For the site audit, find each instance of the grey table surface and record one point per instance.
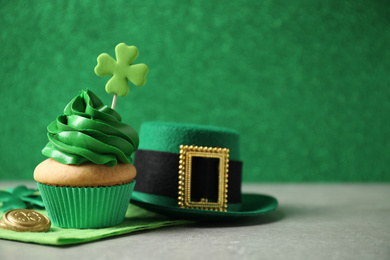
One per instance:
(313, 221)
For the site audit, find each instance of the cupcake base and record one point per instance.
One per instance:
(86, 207)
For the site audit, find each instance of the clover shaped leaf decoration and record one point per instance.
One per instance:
(121, 70)
(20, 197)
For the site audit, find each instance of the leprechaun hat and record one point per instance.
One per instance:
(193, 172)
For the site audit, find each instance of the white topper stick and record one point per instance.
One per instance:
(114, 101)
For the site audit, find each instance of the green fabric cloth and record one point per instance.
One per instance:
(136, 219)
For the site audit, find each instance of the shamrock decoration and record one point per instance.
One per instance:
(19, 198)
(121, 70)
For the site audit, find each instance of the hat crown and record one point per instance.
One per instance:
(167, 137)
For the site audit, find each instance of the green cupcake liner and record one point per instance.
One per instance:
(86, 207)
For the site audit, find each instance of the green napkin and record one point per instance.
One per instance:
(136, 219)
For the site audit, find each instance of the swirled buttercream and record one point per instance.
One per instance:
(90, 131)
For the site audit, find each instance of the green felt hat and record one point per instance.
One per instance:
(193, 172)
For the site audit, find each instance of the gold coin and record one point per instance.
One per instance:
(25, 220)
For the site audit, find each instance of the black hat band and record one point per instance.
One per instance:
(158, 173)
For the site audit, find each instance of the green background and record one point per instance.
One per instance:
(306, 83)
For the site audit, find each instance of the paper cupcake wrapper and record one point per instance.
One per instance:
(86, 207)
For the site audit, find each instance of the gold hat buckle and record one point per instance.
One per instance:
(185, 173)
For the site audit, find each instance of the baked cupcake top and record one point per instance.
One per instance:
(85, 175)
(90, 131)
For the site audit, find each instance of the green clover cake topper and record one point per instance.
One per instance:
(121, 70)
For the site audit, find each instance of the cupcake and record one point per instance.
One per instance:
(88, 179)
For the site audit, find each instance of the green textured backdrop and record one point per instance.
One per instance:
(306, 83)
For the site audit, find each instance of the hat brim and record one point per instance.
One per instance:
(252, 206)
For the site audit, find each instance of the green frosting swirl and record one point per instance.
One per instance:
(90, 131)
